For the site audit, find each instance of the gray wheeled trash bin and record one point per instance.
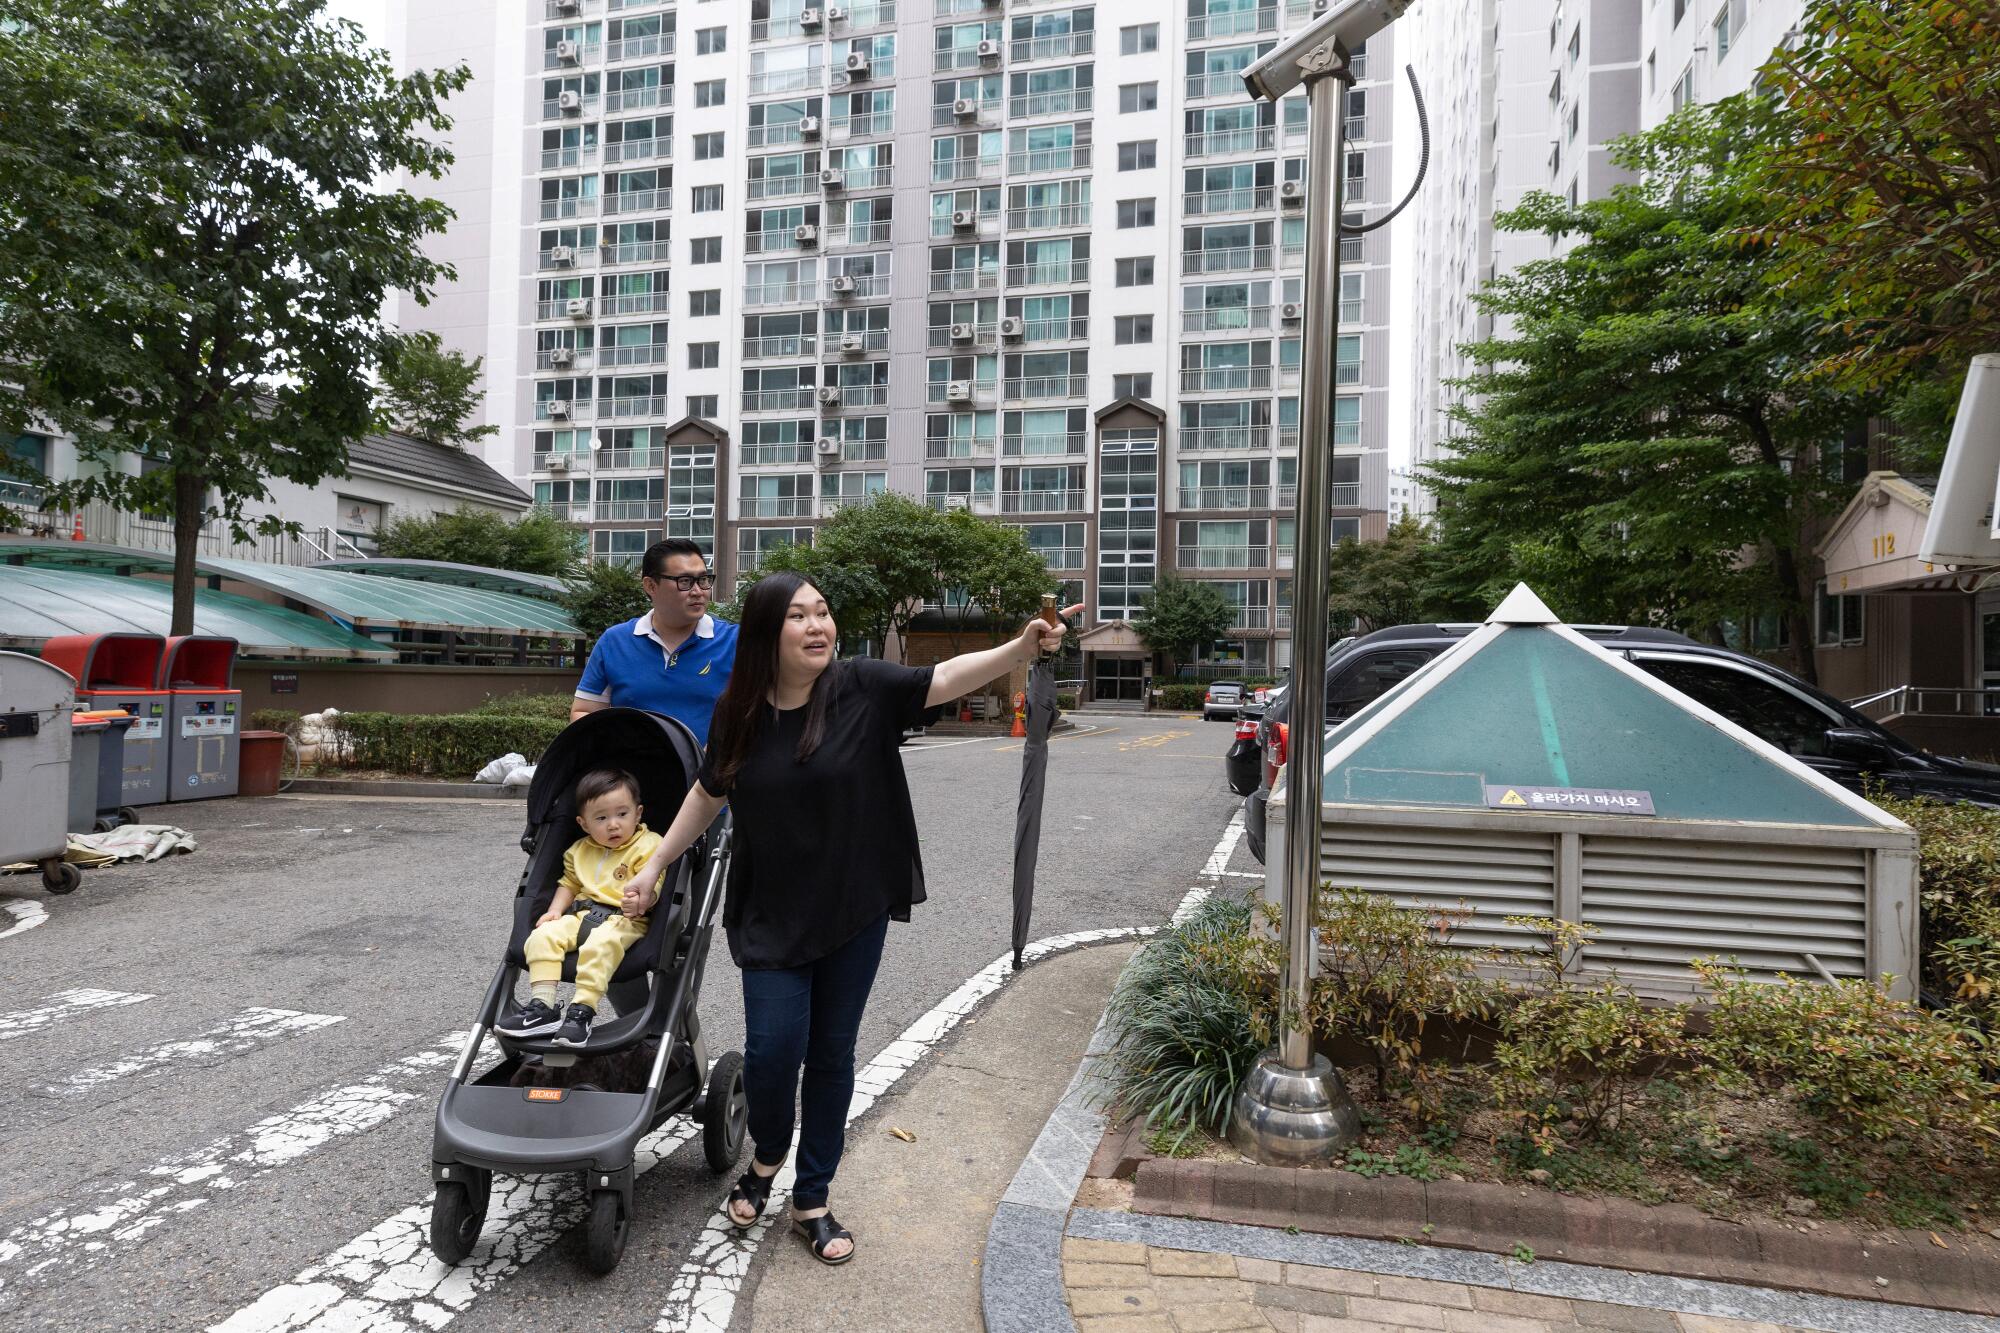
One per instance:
(35, 741)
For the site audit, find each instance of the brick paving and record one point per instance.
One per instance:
(1123, 1287)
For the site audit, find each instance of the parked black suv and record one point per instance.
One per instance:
(1812, 727)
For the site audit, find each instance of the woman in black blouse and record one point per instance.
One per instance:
(804, 748)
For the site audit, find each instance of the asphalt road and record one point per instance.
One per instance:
(218, 1074)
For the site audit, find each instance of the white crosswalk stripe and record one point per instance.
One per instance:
(27, 915)
(64, 1004)
(108, 1216)
(247, 1031)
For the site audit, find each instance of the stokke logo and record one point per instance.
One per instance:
(545, 1094)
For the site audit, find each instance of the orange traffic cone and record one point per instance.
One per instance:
(1020, 715)
(76, 529)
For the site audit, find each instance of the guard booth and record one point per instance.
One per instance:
(122, 671)
(1528, 772)
(203, 733)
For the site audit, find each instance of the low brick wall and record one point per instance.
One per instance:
(360, 687)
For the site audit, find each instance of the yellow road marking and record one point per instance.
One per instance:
(1152, 742)
(1064, 736)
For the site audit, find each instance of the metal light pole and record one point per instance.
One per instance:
(1293, 1107)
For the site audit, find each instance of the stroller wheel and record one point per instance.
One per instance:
(724, 1114)
(457, 1214)
(604, 1241)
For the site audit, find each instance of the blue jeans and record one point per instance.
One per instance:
(807, 1016)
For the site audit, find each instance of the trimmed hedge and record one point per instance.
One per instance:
(527, 705)
(457, 744)
(273, 719)
(1183, 698)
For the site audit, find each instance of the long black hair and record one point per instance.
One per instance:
(745, 706)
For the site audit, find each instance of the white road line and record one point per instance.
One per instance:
(27, 915)
(63, 1004)
(1232, 833)
(111, 1215)
(247, 1031)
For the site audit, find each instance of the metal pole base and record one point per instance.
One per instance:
(1292, 1117)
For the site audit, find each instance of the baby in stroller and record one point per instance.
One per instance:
(609, 883)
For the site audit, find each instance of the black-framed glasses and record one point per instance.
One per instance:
(686, 582)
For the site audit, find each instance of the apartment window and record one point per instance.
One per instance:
(1575, 120)
(705, 302)
(1135, 272)
(705, 406)
(709, 41)
(1722, 33)
(1652, 72)
(1130, 329)
(1138, 97)
(710, 92)
(706, 199)
(1134, 213)
(1839, 618)
(704, 356)
(1684, 88)
(1680, 11)
(1140, 38)
(1575, 43)
(1139, 155)
(1132, 386)
(708, 147)
(705, 250)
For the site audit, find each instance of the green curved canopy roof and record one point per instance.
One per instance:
(40, 603)
(445, 571)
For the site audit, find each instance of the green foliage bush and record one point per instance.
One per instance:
(1182, 698)
(1065, 702)
(555, 706)
(273, 719)
(1958, 848)
(1184, 1032)
(457, 744)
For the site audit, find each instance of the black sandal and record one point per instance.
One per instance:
(752, 1189)
(820, 1232)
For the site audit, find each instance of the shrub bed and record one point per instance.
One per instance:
(273, 719)
(1182, 698)
(454, 744)
(1958, 849)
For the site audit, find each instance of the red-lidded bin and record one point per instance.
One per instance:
(121, 671)
(99, 807)
(197, 671)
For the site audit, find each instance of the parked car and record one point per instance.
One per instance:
(1243, 765)
(1812, 727)
(1223, 699)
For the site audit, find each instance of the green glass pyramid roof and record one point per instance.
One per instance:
(1535, 705)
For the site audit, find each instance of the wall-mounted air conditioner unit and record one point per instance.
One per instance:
(569, 52)
(965, 108)
(578, 307)
(853, 343)
(857, 65)
(1289, 312)
(989, 49)
(558, 462)
(831, 179)
(829, 396)
(1292, 192)
(558, 408)
(958, 391)
(828, 448)
(569, 103)
(963, 219)
(961, 333)
(1011, 327)
(806, 234)
(561, 356)
(842, 285)
(562, 254)
(809, 19)
(809, 127)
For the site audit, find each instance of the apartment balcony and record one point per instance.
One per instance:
(562, 460)
(860, 395)
(1061, 558)
(1225, 379)
(573, 359)
(874, 125)
(639, 99)
(780, 293)
(1226, 319)
(782, 187)
(1222, 439)
(773, 29)
(940, 338)
(853, 342)
(622, 408)
(555, 159)
(965, 279)
(853, 235)
(1063, 102)
(615, 254)
(1288, 437)
(981, 503)
(985, 113)
(1226, 143)
(856, 179)
(869, 14)
(639, 303)
(1250, 617)
(1346, 495)
(1222, 557)
(1047, 386)
(1048, 217)
(983, 224)
(1057, 273)
(979, 393)
(1233, 259)
(636, 6)
(566, 256)
(572, 511)
(562, 409)
(810, 79)
(555, 209)
(791, 345)
(1285, 497)
(1045, 445)
(798, 399)
(779, 240)
(1061, 46)
(630, 511)
(777, 455)
(1074, 329)
(570, 9)
(1240, 23)
(958, 449)
(1044, 502)
(946, 171)
(560, 308)
(639, 201)
(863, 286)
(639, 48)
(1216, 83)
(1281, 618)
(881, 73)
(1216, 203)
(1225, 497)
(1035, 161)
(584, 55)
(964, 58)
(627, 460)
(555, 108)
(656, 149)
(638, 354)
(775, 506)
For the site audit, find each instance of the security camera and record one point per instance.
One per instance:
(1311, 50)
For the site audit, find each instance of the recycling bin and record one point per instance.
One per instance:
(85, 754)
(35, 744)
(108, 806)
(121, 671)
(196, 671)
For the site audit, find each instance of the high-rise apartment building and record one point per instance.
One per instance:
(1528, 95)
(1043, 261)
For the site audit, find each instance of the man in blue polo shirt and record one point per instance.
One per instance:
(673, 660)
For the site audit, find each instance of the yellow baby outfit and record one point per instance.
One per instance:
(595, 874)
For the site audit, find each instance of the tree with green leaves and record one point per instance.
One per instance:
(535, 543)
(1390, 582)
(430, 391)
(1005, 578)
(195, 245)
(890, 536)
(854, 594)
(601, 594)
(1883, 189)
(1180, 615)
(1643, 445)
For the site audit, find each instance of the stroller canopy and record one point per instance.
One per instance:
(660, 752)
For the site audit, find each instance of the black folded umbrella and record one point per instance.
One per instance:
(1028, 820)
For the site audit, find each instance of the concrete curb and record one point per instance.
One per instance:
(401, 787)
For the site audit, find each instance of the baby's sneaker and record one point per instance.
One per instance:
(536, 1018)
(575, 1026)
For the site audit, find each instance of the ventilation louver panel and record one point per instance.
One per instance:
(1496, 873)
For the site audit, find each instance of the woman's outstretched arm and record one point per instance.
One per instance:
(968, 671)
